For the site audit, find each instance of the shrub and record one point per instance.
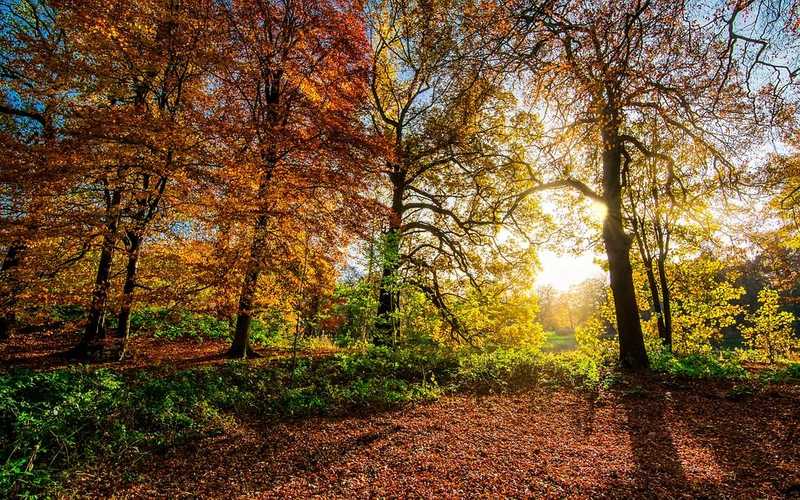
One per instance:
(504, 370)
(771, 331)
(724, 365)
(788, 373)
(168, 324)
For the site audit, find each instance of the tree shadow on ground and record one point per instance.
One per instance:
(647, 438)
(698, 441)
(264, 458)
(751, 434)
(657, 463)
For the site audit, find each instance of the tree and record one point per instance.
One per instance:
(438, 100)
(705, 298)
(565, 311)
(291, 84)
(130, 115)
(32, 113)
(170, 102)
(603, 68)
(663, 215)
(770, 331)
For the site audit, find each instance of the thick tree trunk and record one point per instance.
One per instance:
(124, 316)
(632, 354)
(388, 296)
(666, 303)
(8, 317)
(240, 347)
(95, 326)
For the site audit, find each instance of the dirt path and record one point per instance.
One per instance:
(646, 441)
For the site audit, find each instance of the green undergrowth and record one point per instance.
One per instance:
(723, 365)
(54, 421)
(696, 366)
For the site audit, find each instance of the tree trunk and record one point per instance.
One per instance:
(95, 326)
(388, 296)
(666, 303)
(8, 317)
(124, 316)
(240, 347)
(632, 354)
(7, 321)
(655, 298)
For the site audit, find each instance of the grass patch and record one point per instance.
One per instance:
(724, 365)
(559, 342)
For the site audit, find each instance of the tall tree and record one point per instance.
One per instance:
(438, 97)
(293, 84)
(32, 103)
(132, 66)
(662, 214)
(606, 66)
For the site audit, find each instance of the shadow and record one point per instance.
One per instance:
(753, 435)
(659, 471)
(207, 359)
(732, 445)
(312, 459)
(36, 351)
(53, 350)
(265, 456)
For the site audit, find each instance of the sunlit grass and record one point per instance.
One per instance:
(559, 342)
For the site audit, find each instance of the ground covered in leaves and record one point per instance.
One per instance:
(653, 436)
(642, 438)
(47, 350)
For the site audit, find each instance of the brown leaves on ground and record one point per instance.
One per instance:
(646, 438)
(46, 350)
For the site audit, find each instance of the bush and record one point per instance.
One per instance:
(785, 374)
(168, 324)
(499, 370)
(515, 369)
(770, 333)
(725, 365)
(416, 365)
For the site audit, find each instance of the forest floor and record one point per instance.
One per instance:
(46, 350)
(645, 437)
(646, 440)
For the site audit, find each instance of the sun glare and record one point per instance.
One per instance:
(598, 211)
(564, 271)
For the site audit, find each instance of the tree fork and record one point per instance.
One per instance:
(388, 297)
(655, 297)
(134, 241)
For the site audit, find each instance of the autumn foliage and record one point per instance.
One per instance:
(587, 211)
(377, 166)
(218, 139)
